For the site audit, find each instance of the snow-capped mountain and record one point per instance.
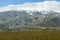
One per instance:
(16, 19)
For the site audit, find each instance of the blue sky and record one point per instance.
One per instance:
(7, 2)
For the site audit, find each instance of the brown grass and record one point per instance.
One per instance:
(31, 35)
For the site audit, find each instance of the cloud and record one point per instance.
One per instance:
(39, 6)
(52, 6)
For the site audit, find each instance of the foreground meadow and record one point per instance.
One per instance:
(31, 35)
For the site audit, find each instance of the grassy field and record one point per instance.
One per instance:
(31, 35)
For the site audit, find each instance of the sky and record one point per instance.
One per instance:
(7, 2)
(15, 2)
(39, 5)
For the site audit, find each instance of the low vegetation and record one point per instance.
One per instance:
(31, 35)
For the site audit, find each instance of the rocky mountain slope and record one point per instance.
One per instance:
(16, 19)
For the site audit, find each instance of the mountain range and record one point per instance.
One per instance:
(17, 19)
